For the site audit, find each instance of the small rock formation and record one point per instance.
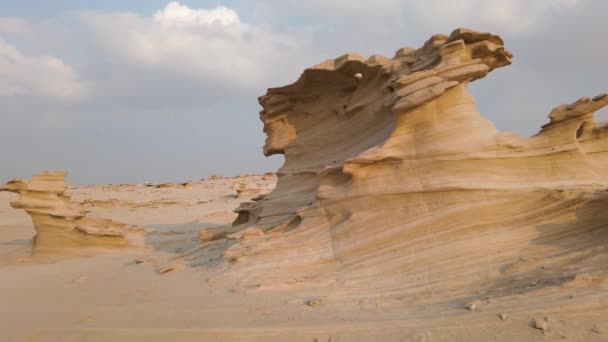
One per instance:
(62, 225)
(390, 169)
(473, 306)
(541, 324)
(316, 303)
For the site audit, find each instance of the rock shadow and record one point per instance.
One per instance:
(183, 241)
(574, 244)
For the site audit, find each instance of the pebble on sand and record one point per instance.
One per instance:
(315, 303)
(171, 268)
(473, 306)
(541, 324)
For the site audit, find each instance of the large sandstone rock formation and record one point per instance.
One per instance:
(61, 225)
(394, 182)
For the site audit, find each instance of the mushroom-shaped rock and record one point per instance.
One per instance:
(62, 225)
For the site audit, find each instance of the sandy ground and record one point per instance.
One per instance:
(123, 296)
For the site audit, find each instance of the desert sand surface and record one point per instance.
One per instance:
(400, 214)
(122, 296)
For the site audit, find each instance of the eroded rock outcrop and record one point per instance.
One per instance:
(61, 225)
(392, 176)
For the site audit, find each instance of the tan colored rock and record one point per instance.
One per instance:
(541, 324)
(316, 303)
(473, 306)
(397, 173)
(217, 233)
(247, 234)
(208, 235)
(61, 225)
(177, 267)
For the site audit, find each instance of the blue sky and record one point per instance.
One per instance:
(150, 90)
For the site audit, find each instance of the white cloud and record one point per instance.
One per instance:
(191, 55)
(204, 45)
(44, 76)
(180, 15)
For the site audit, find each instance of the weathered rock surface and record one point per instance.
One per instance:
(62, 225)
(398, 207)
(393, 181)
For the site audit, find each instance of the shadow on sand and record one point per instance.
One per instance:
(183, 241)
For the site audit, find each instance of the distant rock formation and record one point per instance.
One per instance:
(391, 170)
(62, 225)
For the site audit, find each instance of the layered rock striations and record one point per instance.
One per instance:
(61, 225)
(393, 180)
